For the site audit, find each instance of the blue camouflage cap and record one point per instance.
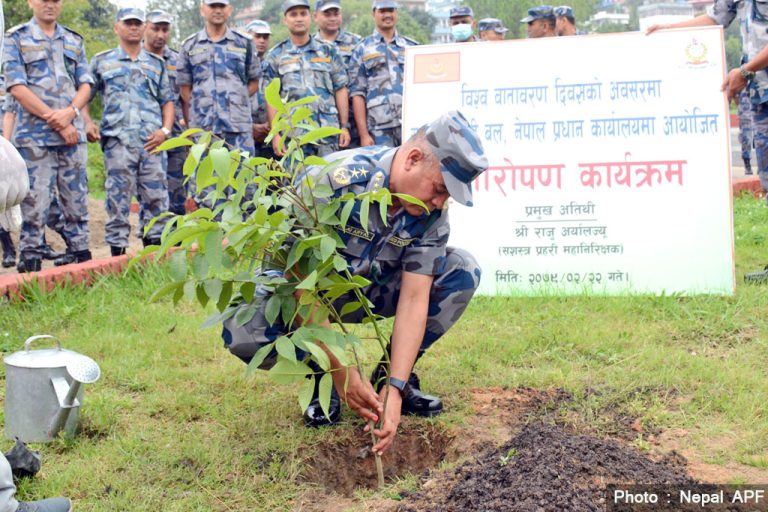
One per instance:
(158, 16)
(258, 27)
(384, 4)
(214, 2)
(324, 5)
(461, 10)
(538, 13)
(290, 4)
(491, 24)
(459, 151)
(564, 10)
(130, 13)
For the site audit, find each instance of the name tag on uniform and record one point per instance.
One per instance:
(358, 232)
(149, 67)
(289, 61)
(72, 48)
(346, 48)
(236, 49)
(171, 67)
(400, 242)
(320, 59)
(197, 50)
(32, 48)
(372, 56)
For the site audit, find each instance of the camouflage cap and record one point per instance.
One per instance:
(538, 13)
(290, 4)
(491, 24)
(158, 16)
(214, 2)
(258, 27)
(460, 152)
(384, 4)
(130, 13)
(461, 10)
(324, 5)
(564, 10)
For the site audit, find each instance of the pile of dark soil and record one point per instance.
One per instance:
(544, 468)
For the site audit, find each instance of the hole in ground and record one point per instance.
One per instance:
(346, 462)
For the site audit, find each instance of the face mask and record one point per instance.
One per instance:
(461, 32)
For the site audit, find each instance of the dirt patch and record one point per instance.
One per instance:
(97, 218)
(545, 467)
(347, 463)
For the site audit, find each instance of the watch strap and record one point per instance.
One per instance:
(397, 383)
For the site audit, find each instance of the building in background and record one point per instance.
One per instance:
(440, 9)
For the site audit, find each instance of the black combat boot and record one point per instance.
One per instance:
(30, 265)
(65, 259)
(82, 256)
(415, 402)
(314, 415)
(747, 166)
(9, 251)
(150, 241)
(49, 254)
(117, 251)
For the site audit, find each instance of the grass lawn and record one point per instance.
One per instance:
(175, 425)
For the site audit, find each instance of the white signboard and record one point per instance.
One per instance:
(609, 156)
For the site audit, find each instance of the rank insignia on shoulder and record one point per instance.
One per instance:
(343, 176)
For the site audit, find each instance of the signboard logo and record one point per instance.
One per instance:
(696, 53)
(437, 68)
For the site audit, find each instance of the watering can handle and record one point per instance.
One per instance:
(38, 337)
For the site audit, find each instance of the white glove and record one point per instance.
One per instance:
(14, 180)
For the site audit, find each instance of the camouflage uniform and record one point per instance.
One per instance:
(133, 93)
(753, 18)
(745, 130)
(376, 73)
(218, 73)
(407, 243)
(53, 69)
(177, 189)
(315, 69)
(345, 43)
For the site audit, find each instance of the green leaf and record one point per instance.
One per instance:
(165, 290)
(245, 314)
(226, 295)
(288, 309)
(247, 290)
(285, 348)
(346, 211)
(319, 354)
(202, 296)
(213, 249)
(190, 291)
(178, 265)
(213, 288)
(190, 131)
(288, 372)
(324, 392)
(303, 101)
(383, 211)
(199, 266)
(295, 254)
(364, 206)
(411, 199)
(305, 393)
(314, 160)
(220, 159)
(259, 357)
(173, 143)
(318, 133)
(349, 307)
(339, 263)
(205, 174)
(179, 293)
(327, 247)
(273, 308)
(309, 282)
(272, 95)
(322, 191)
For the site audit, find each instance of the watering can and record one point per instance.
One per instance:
(44, 392)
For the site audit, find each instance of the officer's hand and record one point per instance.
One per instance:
(359, 394)
(154, 140)
(260, 131)
(70, 135)
(653, 28)
(277, 146)
(61, 118)
(734, 84)
(92, 132)
(388, 430)
(366, 140)
(344, 138)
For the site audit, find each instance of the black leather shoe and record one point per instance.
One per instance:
(30, 265)
(81, 256)
(415, 402)
(9, 259)
(65, 259)
(116, 251)
(150, 241)
(50, 254)
(314, 416)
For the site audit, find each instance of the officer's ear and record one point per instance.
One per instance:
(413, 157)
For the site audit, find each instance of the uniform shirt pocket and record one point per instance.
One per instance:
(201, 68)
(321, 75)
(35, 61)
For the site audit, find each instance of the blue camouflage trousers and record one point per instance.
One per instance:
(131, 171)
(52, 169)
(449, 296)
(745, 125)
(760, 133)
(239, 140)
(177, 189)
(391, 137)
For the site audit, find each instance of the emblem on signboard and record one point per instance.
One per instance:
(696, 53)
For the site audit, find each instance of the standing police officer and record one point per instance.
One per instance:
(47, 73)
(156, 35)
(137, 118)
(260, 31)
(218, 73)
(376, 79)
(307, 66)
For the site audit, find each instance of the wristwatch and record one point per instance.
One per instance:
(166, 131)
(747, 74)
(397, 384)
(77, 110)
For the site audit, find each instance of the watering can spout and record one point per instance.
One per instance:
(83, 370)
